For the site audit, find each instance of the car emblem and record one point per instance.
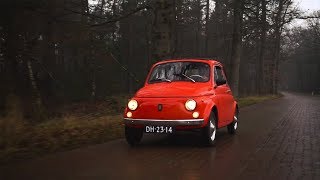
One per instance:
(159, 107)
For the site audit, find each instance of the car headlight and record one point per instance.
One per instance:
(132, 104)
(191, 105)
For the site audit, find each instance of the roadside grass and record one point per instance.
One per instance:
(21, 140)
(250, 100)
(57, 135)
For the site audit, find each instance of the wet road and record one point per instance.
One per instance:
(277, 139)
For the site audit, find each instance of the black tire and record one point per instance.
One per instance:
(133, 135)
(232, 127)
(209, 132)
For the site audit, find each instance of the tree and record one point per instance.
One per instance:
(207, 27)
(284, 14)
(301, 50)
(263, 33)
(163, 29)
(236, 46)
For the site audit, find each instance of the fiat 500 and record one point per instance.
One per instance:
(180, 95)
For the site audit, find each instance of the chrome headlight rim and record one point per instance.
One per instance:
(190, 105)
(133, 104)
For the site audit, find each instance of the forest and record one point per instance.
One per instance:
(55, 52)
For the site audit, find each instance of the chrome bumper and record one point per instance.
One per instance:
(177, 122)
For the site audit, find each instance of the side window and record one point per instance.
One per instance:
(218, 76)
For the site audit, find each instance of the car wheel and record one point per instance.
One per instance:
(232, 127)
(133, 135)
(209, 132)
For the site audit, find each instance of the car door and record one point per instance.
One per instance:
(223, 95)
(229, 100)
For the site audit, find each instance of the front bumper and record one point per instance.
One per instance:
(159, 122)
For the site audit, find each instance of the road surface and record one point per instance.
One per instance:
(276, 139)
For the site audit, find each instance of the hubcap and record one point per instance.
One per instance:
(235, 123)
(213, 129)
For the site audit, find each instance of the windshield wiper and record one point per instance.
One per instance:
(161, 79)
(188, 77)
(164, 79)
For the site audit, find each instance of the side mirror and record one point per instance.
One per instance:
(220, 82)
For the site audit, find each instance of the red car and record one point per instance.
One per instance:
(184, 94)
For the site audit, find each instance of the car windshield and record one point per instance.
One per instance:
(180, 71)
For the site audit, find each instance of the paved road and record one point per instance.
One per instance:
(277, 139)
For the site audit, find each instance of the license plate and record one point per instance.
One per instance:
(159, 129)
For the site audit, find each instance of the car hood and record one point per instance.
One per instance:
(175, 89)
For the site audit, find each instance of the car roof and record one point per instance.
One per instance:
(204, 60)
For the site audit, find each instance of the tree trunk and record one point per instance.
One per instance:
(276, 63)
(38, 109)
(207, 27)
(260, 71)
(236, 47)
(92, 56)
(198, 29)
(93, 70)
(277, 47)
(174, 29)
(220, 36)
(35, 91)
(103, 2)
(11, 62)
(162, 29)
(178, 16)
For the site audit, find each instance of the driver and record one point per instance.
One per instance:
(198, 73)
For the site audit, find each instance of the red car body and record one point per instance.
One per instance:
(164, 103)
